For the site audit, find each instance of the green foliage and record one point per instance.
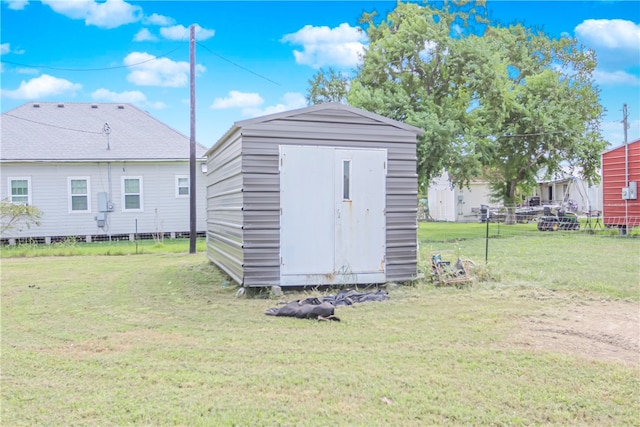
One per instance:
(327, 86)
(17, 216)
(498, 103)
(535, 106)
(407, 75)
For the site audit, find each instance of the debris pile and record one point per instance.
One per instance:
(324, 308)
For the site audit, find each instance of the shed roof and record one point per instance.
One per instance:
(621, 147)
(336, 106)
(56, 131)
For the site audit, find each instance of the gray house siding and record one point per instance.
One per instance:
(162, 210)
(247, 244)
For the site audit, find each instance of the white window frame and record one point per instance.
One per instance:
(71, 195)
(19, 178)
(347, 164)
(124, 194)
(178, 178)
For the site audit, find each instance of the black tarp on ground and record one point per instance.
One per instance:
(324, 308)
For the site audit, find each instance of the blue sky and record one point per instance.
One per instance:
(255, 58)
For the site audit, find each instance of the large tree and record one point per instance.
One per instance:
(535, 106)
(406, 75)
(503, 103)
(328, 86)
(18, 216)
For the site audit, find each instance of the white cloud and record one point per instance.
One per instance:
(237, 99)
(17, 4)
(180, 32)
(292, 101)
(616, 78)
(610, 33)
(161, 20)
(107, 14)
(149, 70)
(127, 96)
(6, 48)
(615, 41)
(144, 35)
(613, 132)
(132, 97)
(32, 71)
(42, 87)
(158, 105)
(323, 46)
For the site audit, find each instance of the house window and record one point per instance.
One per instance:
(182, 186)
(346, 178)
(20, 190)
(132, 193)
(79, 194)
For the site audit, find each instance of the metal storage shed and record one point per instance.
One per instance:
(620, 177)
(323, 195)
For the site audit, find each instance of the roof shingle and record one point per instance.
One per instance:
(52, 131)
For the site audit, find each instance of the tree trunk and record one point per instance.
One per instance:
(510, 217)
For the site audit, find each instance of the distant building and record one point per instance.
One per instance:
(453, 204)
(98, 171)
(620, 181)
(571, 192)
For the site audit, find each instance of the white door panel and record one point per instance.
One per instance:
(332, 224)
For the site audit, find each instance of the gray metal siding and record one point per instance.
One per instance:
(261, 211)
(224, 207)
(260, 143)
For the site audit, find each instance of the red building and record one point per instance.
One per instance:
(620, 178)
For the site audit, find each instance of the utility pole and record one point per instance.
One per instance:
(625, 116)
(192, 145)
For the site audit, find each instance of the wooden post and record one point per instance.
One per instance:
(192, 157)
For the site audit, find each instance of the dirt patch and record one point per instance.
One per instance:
(608, 331)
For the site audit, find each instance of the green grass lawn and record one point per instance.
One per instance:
(71, 247)
(162, 339)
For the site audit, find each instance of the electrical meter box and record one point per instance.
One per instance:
(630, 192)
(101, 219)
(104, 205)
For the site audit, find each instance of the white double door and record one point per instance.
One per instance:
(332, 220)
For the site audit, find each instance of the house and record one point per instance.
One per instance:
(323, 195)
(566, 189)
(98, 171)
(620, 177)
(453, 204)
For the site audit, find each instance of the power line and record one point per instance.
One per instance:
(237, 65)
(115, 67)
(156, 58)
(53, 126)
(515, 135)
